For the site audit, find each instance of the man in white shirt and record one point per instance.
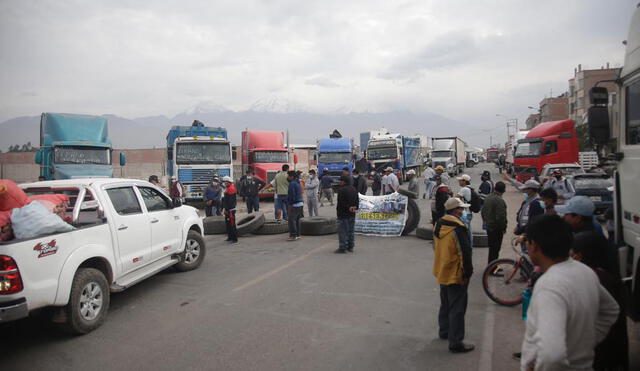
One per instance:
(464, 194)
(561, 185)
(570, 312)
(390, 182)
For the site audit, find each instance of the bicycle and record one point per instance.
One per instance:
(504, 279)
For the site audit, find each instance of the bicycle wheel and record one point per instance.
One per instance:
(505, 288)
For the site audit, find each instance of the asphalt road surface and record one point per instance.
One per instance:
(267, 304)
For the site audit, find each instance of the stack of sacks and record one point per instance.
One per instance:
(55, 203)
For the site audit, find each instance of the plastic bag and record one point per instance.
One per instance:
(55, 203)
(11, 196)
(6, 233)
(35, 220)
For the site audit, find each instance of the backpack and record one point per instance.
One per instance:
(476, 201)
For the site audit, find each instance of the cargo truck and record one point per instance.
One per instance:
(74, 146)
(449, 153)
(197, 153)
(334, 154)
(625, 155)
(264, 152)
(396, 151)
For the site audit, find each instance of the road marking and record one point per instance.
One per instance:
(280, 268)
(486, 355)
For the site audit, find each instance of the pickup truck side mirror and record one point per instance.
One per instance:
(598, 115)
(123, 159)
(176, 202)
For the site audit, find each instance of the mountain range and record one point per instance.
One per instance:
(304, 127)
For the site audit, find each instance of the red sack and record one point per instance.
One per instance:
(6, 233)
(11, 196)
(56, 203)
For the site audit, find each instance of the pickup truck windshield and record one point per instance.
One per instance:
(266, 157)
(382, 153)
(202, 153)
(82, 155)
(334, 157)
(441, 154)
(528, 149)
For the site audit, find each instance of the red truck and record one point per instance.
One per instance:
(264, 152)
(553, 142)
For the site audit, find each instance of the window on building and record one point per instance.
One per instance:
(572, 107)
(550, 147)
(632, 113)
(613, 98)
(234, 155)
(580, 84)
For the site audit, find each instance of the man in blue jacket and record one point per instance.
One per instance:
(295, 202)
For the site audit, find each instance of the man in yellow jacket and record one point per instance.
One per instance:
(452, 267)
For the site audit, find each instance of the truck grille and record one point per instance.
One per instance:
(200, 175)
(271, 175)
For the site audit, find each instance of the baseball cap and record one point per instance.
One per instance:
(581, 205)
(454, 203)
(530, 184)
(227, 179)
(389, 168)
(173, 177)
(439, 167)
(413, 172)
(464, 177)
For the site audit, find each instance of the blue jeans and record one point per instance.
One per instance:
(430, 186)
(253, 204)
(346, 233)
(294, 221)
(281, 204)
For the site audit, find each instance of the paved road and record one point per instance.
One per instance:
(267, 304)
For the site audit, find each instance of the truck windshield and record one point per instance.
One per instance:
(202, 153)
(382, 153)
(441, 154)
(334, 157)
(266, 157)
(82, 155)
(528, 149)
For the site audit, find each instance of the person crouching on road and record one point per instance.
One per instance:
(295, 202)
(348, 202)
(229, 206)
(311, 191)
(452, 267)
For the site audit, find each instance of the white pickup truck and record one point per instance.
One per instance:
(126, 230)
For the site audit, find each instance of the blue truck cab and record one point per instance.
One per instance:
(402, 153)
(197, 153)
(334, 154)
(74, 146)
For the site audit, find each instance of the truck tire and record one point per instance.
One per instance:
(425, 233)
(318, 225)
(194, 252)
(407, 193)
(88, 302)
(272, 226)
(480, 239)
(214, 225)
(250, 223)
(413, 217)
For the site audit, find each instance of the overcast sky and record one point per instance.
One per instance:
(466, 60)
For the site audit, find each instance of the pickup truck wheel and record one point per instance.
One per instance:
(194, 252)
(88, 303)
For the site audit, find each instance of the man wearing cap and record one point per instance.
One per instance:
(561, 185)
(325, 187)
(452, 267)
(413, 182)
(578, 213)
(440, 196)
(429, 183)
(494, 218)
(529, 209)
(390, 182)
(311, 191)
(486, 187)
(376, 183)
(465, 194)
(229, 206)
(444, 177)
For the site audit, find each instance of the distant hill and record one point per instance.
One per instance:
(304, 127)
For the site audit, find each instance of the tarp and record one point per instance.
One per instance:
(382, 215)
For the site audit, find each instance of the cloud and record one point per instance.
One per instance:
(322, 81)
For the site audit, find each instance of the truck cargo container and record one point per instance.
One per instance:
(450, 153)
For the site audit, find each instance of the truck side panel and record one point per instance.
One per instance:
(411, 152)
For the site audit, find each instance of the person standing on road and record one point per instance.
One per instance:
(452, 267)
(229, 205)
(494, 218)
(213, 197)
(429, 183)
(390, 182)
(326, 184)
(281, 188)
(570, 312)
(561, 185)
(250, 188)
(440, 196)
(347, 172)
(549, 199)
(360, 182)
(348, 202)
(529, 209)
(444, 177)
(176, 189)
(486, 187)
(376, 183)
(465, 193)
(311, 191)
(413, 183)
(295, 203)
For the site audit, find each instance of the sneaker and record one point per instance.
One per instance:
(462, 348)
(291, 238)
(297, 238)
(233, 242)
(517, 355)
(350, 250)
(340, 251)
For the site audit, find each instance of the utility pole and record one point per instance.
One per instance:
(511, 123)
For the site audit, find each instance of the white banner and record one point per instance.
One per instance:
(381, 215)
